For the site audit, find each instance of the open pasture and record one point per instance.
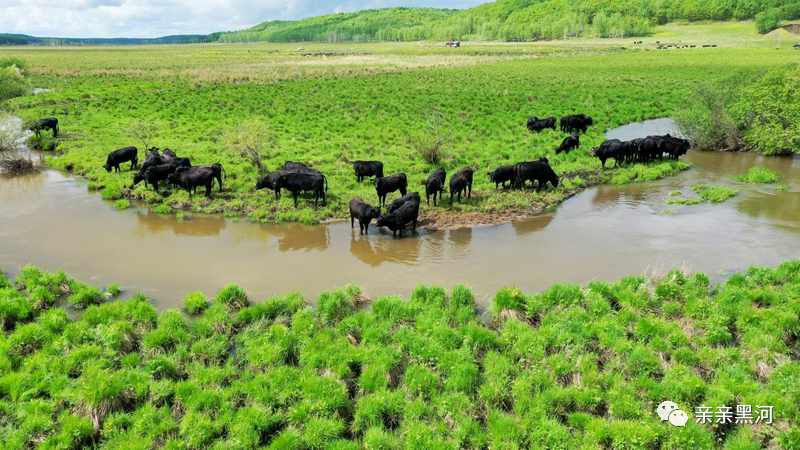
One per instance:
(330, 110)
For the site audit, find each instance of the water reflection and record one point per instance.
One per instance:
(376, 250)
(532, 225)
(293, 237)
(460, 241)
(198, 226)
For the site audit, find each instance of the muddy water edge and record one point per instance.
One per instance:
(605, 232)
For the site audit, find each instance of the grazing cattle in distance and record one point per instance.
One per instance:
(192, 178)
(435, 185)
(215, 168)
(570, 142)
(154, 174)
(120, 156)
(392, 183)
(366, 169)
(538, 171)
(50, 123)
(610, 149)
(576, 122)
(536, 124)
(399, 218)
(292, 165)
(296, 182)
(501, 175)
(364, 213)
(271, 182)
(410, 197)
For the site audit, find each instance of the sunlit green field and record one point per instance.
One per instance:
(329, 110)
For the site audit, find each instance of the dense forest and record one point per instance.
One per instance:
(516, 20)
(23, 39)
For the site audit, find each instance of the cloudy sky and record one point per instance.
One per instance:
(153, 18)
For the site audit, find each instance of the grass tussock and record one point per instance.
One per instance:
(758, 175)
(571, 367)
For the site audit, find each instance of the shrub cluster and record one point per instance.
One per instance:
(572, 367)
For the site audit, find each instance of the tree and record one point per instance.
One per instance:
(435, 137)
(142, 131)
(14, 158)
(768, 20)
(250, 140)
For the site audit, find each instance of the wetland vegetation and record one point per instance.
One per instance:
(571, 367)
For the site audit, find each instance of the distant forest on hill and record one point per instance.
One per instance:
(514, 20)
(502, 20)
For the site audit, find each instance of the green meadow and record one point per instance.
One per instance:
(573, 367)
(371, 104)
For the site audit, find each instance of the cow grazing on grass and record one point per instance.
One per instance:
(458, 184)
(392, 183)
(435, 185)
(193, 178)
(364, 213)
(295, 183)
(51, 123)
(501, 175)
(366, 169)
(570, 142)
(536, 124)
(120, 156)
(271, 182)
(537, 171)
(400, 218)
(576, 122)
(467, 173)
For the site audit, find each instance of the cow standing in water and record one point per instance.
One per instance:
(364, 213)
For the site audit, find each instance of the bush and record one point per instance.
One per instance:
(768, 20)
(85, 295)
(12, 83)
(122, 204)
(195, 303)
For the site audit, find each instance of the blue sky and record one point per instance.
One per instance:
(152, 18)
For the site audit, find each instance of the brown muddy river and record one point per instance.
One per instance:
(603, 233)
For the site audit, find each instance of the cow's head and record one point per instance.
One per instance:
(555, 181)
(107, 167)
(373, 212)
(383, 221)
(138, 177)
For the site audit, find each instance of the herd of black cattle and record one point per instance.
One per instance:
(297, 177)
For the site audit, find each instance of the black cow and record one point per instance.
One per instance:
(215, 168)
(458, 184)
(271, 182)
(392, 183)
(192, 178)
(120, 156)
(295, 182)
(538, 171)
(292, 165)
(576, 122)
(610, 149)
(364, 213)
(675, 147)
(410, 197)
(536, 124)
(435, 185)
(468, 173)
(51, 123)
(570, 142)
(502, 174)
(152, 159)
(365, 169)
(155, 174)
(399, 218)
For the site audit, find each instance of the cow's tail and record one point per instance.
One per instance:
(224, 175)
(326, 182)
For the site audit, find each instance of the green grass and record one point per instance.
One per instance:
(331, 111)
(705, 193)
(571, 367)
(758, 175)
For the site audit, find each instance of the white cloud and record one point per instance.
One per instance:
(153, 18)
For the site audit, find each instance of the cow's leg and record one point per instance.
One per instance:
(324, 200)
(352, 222)
(295, 198)
(209, 186)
